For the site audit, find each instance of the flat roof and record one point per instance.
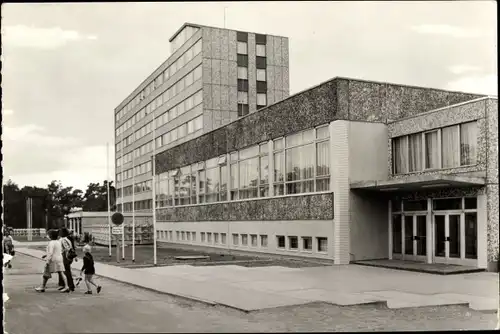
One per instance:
(100, 214)
(419, 182)
(195, 25)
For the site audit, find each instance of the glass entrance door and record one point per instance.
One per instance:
(447, 237)
(415, 236)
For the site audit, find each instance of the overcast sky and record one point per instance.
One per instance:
(67, 66)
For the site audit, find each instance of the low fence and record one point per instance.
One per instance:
(23, 232)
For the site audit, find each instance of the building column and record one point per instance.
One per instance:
(429, 238)
(390, 228)
(270, 167)
(482, 232)
(339, 171)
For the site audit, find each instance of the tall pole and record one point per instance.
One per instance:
(133, 204)
(123, 206)
(153, 168)
(109, 200)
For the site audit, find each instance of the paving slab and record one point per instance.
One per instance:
(273, 286)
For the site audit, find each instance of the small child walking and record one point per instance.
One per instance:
(89, 270)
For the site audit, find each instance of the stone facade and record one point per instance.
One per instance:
(307, 207)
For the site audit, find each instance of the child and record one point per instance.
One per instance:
(89, 270)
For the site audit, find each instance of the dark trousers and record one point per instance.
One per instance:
(69, 275)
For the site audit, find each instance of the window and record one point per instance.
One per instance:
(242, 109)
(223, 238)
(470, 235)
(280, 240)
(244, 240)
(202, 236)
(183, 235)
(216, 238)
(431, 150)
(400, 155)
(242, 85)
(242, 48)
(178, 235)
(235, 239)
(293, 243)
(260, 50)
(261, 75)
(468, 143)
(415, 152)
(243, 73)
(188, 236)
(209, 237)
(307, 243)
(193, 236)
(242, 60)
(322, 244)
(263, 240)
(253, 238)
(450, 150)
(261, 99)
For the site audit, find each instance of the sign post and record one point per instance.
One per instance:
(117, 231)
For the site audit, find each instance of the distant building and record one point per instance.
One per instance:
(347, 170)
(213, 77)
(97, 224)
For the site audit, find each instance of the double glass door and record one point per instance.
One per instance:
(410, 237)
(447, 237)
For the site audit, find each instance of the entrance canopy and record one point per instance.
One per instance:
(419, 182)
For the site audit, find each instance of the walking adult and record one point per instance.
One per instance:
(8, 245)
(69, 254)
(53, 262)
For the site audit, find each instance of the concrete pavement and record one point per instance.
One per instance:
(122, 308)
(250, 289)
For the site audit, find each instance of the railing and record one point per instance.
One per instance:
(21, 232)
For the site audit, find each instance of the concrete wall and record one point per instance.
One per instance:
(369, 226)
(300, 228)
(278, 73)
(367, 151)
(219, 77)
(368, 213)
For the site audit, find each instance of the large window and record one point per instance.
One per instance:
(301, 165)
(448, 147)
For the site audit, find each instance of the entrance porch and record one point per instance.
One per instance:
(441, 230)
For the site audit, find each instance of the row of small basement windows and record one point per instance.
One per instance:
(254, 240)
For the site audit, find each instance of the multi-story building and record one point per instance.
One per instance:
(348, 170)
(212, 77)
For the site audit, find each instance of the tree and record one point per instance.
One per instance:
(96, 197)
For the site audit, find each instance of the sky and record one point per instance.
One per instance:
(66, 67)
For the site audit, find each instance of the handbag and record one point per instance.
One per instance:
(46, 272)
(70, 253)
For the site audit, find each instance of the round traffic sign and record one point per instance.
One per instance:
(117, 218)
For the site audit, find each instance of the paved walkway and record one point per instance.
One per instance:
(250, 289)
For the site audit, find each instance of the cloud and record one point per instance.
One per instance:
(487, 84)
(75, 166)
(448, 30)
(34, 135)
(461, 69)
(7, 112)
(43, 38)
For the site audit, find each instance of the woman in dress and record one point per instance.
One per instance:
(53, 262)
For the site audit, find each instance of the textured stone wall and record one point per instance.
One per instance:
(492, 180)
(307, 207)
(379, 102)
(302, 111)
(338, 98)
